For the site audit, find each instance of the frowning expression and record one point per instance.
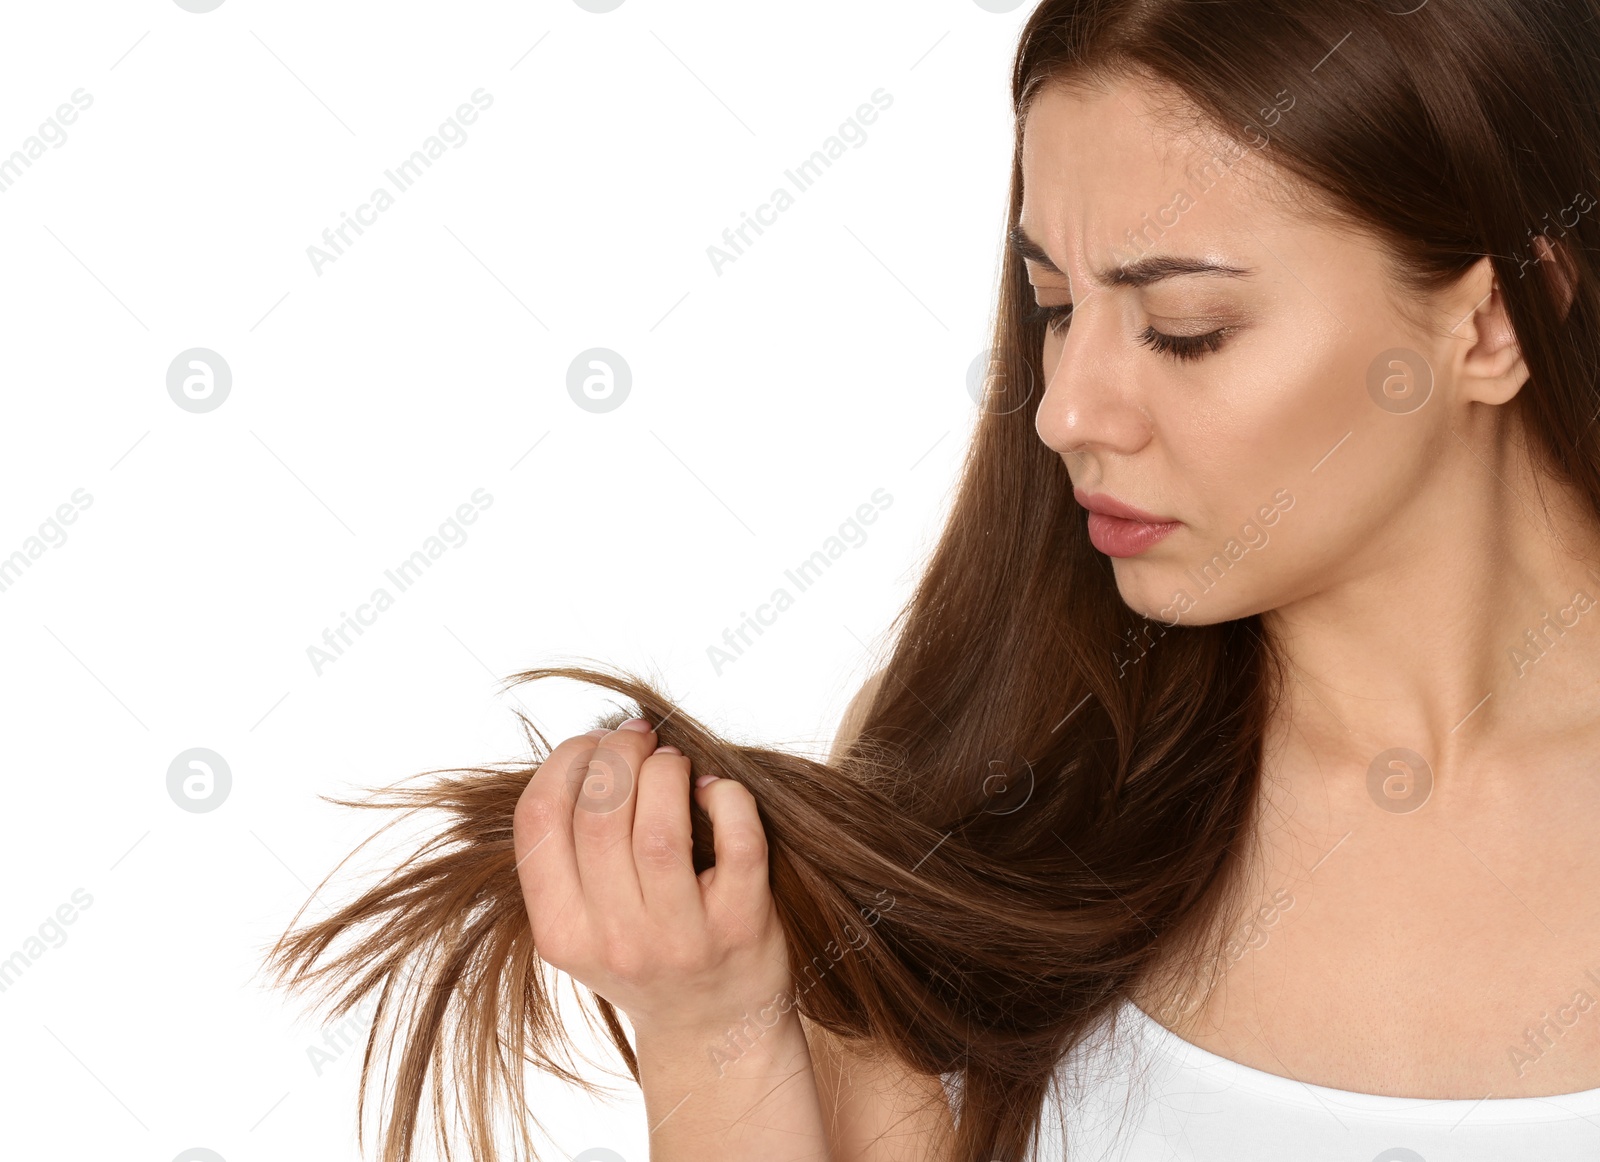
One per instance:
(1210, 339)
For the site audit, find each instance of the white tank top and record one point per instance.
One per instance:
(1136, 1092)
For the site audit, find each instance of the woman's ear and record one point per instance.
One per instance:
(1490, 366)
(1488, 363)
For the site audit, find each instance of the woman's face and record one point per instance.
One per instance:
(1294, 424)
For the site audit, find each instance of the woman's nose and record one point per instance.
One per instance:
(1090, 400)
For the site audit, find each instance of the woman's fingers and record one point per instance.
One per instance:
(605, 854)
(602, 831)
(542, 840)
(663, 843)
(736, 890)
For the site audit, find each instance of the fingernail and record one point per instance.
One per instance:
(639, 724)
(666, 750)
(704, 779)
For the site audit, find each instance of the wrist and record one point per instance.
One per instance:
(751, 1040)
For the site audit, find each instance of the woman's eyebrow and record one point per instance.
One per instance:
(1136, 273)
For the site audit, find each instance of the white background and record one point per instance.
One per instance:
(371, 399)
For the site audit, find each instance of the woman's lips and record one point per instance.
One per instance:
(1117, 536)
(1118, 529)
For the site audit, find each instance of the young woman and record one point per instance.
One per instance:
(1231, 787)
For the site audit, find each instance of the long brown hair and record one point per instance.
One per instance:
(1004, 915)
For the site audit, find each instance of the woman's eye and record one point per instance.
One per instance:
(1184, 347)
(1180, 347)
(1056, 317)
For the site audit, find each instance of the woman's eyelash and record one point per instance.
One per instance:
(1179, 347)
(1182, 347)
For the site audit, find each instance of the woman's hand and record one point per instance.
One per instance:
(602, 842)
